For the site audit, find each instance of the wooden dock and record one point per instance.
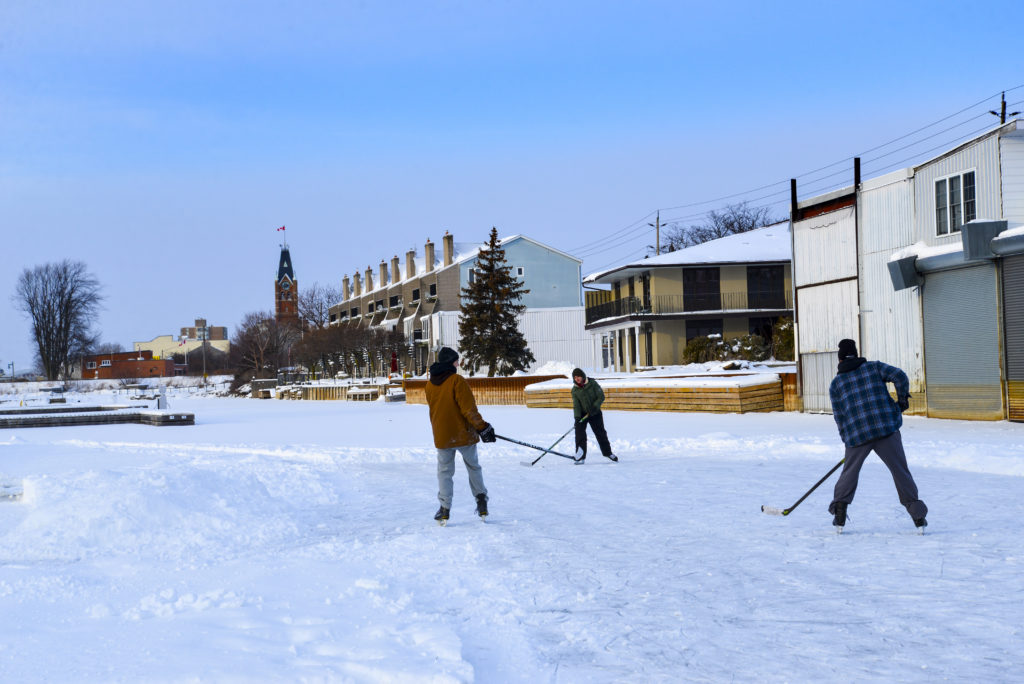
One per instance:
(60, 416)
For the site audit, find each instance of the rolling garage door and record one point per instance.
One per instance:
(1013, 316)
(961, 344)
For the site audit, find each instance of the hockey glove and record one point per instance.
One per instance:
(487, 434)
(903, 402)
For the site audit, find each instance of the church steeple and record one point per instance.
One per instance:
(284, 266)
(286, 288)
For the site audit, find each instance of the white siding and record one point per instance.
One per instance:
(828, 313)
(552, 334)
(1013, 177)
(983, 158)
(825, 248)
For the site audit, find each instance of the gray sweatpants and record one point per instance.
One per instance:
(890, 450)
(446, 470)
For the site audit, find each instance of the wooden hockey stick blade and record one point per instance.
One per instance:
(771, 510)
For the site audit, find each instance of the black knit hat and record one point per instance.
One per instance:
(847, 349)
(578, 373)
(447, 355)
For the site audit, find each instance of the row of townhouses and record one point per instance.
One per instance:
(421, 298)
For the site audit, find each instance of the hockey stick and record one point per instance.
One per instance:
(548, 450)
(786, 511)
(534, 446)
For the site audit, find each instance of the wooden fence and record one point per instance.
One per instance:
(486, 391)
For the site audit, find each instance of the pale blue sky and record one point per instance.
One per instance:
(163, 143)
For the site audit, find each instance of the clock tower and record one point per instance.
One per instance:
(286, 290)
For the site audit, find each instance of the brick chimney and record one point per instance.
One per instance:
(428, 251)
(383, 273)
(368, 282)
(357, 285)
(449, 248)
(346, 289)
(396, 275)
(410, 264)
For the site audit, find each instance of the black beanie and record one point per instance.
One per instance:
(847, 349)
(577, 373)
(447, 355)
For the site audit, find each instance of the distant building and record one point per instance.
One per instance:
(286, 290)
(423, 300)
(733, 286)
(125, 365)
(189, 341)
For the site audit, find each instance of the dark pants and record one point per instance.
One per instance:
(596, 422)
(890, 450)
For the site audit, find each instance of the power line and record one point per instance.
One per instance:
(625, 234)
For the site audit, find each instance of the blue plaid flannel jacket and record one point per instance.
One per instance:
(861, 404)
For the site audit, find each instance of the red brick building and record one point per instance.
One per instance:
(125, 365)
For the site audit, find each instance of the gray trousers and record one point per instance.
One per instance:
(446, 470)
(890, 450)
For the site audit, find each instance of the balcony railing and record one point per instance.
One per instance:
(686, 303)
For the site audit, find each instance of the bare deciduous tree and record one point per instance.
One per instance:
(260, 345)
(61, 300)
(314, 304)
(108, 348)
(734, 218)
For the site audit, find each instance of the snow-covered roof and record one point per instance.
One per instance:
(768, 244)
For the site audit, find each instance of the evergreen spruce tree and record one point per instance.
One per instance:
(489, 326)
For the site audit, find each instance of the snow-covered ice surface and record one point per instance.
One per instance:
(294, 541)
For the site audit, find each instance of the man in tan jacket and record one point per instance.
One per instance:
(457, 426)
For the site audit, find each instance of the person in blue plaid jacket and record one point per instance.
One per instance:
(869, 420)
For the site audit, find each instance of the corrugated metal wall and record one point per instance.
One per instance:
(1013, 317)
(825, 248)
(818, 371)
(890, 320)
(828, 313)
(962, 350)
(983, 158)
(1013, 176)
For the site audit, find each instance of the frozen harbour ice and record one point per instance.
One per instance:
(294, 541)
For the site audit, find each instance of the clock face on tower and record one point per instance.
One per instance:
(286, 285)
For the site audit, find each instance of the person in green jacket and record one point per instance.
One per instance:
(587, 397)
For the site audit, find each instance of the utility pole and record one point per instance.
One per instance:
(1002, 111)
(657, 233)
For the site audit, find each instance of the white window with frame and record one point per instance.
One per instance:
(955, 202)
(520, 272)
(472, 276)
(104, 363)
(90, 365)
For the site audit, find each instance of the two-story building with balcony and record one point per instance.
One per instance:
(423, 300)
(733, 286)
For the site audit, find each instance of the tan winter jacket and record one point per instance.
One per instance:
(453, 413)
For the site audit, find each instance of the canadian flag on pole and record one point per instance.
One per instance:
(280, 229)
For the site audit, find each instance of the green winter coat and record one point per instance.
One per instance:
(587, 400)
